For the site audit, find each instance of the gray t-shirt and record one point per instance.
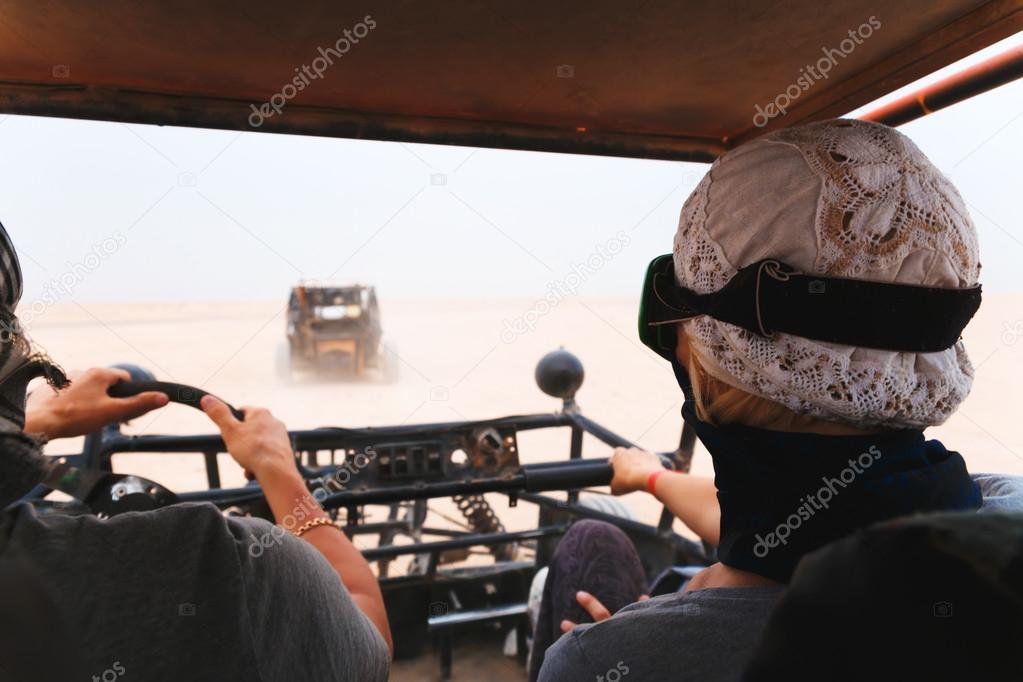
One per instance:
(185, 593)
(704, 635)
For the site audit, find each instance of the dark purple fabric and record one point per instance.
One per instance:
(598, 558)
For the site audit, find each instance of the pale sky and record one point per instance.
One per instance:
(191, 214)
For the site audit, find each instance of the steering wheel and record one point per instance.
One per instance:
(108, 494)
(177, 393)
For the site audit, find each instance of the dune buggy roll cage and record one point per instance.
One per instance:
(665, 79)
(348, 468)
(372, 484)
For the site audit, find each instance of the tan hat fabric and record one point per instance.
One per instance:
(841, 198)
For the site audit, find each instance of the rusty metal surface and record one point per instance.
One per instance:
(661, 79)
(987, 75)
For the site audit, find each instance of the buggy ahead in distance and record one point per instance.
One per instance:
(335, 328)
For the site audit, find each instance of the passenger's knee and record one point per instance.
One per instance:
(588, 537)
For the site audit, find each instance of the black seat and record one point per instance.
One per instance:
(932, 597)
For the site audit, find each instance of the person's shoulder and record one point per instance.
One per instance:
(291, 594)
(200, 531)
(714, 600)
(296, 602)
(195, 528)
(628, 642)
(185, 522)
(707, 632)
(566, 660)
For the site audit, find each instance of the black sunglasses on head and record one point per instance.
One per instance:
(769, 296)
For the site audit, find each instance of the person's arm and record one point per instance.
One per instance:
(84, 406)
(260, 444)
(692, 499)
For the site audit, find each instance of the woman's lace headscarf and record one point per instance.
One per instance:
(842, 198)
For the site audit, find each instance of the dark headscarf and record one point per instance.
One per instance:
(783, 495)
(21, 464)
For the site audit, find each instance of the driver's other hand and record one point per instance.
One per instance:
(84, 406)
(260, 444)
(597, 611)
(632, 468)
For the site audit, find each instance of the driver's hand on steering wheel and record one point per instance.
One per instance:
(260, 444)
(84, 406)
(632, 469)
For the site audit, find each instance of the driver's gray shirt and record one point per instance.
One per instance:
(704, 635)
(185, 593)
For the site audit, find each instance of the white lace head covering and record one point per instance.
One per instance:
(842, 198)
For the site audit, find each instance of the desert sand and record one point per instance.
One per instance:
(460, 361)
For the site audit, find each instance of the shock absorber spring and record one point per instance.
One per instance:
(482, 519)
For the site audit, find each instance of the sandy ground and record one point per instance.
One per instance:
(460, 361)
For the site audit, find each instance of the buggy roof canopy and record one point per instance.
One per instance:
(660, 79)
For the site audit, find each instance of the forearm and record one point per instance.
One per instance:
(693, 500)
(292, 505)
(37, 423)
(44, 421)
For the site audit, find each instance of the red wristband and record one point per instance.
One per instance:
(651, 480)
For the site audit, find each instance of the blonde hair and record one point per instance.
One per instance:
(720, 403)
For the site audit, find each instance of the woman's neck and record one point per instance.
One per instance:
(719, 575)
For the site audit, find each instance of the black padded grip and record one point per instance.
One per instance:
(178, 393)
(572, 474)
